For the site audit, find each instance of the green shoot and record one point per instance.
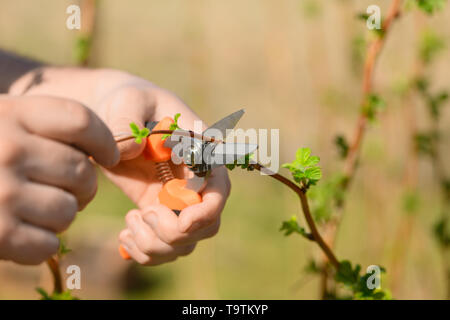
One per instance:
(304, 168)
(138, 134)
(174, 126)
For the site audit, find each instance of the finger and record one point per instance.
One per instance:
(164, 222)
(148, 243)
(207, 212)
(127, 243)
(53, 163)
(130, 245)
(30, 245)
(127, 105)
(47, 207)
(70, 122)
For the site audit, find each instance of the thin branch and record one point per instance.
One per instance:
(53, 264)
(301, 192)
(369, 66)
(351, 160)
(186, 133)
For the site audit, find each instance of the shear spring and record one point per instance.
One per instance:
(164, 171)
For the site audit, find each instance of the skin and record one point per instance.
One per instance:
(45, 173)
(153, 233)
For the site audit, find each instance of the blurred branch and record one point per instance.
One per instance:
(83, 46)
(369, 66)
(351, 159)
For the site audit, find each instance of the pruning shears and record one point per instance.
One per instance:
(200, 155)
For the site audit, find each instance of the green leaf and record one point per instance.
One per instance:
(430, 45)
(138, 134)
(244, 163)
(134, 129)
(43, 293)
(302, 155)
(82, 49)
(372, 106)
(346, 274)
(425, 142)
(431, 6)
(442, 232)
(304, 168)
(66, 295)
(313, 174)
(342, 146)
(173, 126)
(63, 249)
(312, 267)
(411, 201)
(290, 226)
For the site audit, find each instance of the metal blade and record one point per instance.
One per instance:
(223, 154)
(233, 151)
(229, 122)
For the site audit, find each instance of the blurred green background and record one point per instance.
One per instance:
(294, 65)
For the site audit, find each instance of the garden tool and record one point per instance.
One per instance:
(200, 155)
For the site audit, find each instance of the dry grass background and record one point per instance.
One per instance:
(291, 65)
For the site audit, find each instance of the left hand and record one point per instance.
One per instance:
(154, 233)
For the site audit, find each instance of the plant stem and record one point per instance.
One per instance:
(369, 66)
(53, 264)
(186, 133)
(301, 192)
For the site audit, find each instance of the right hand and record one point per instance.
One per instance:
(45, 172)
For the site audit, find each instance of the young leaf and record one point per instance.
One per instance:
(134, 129)
(342, 146)
(243, 163)
(138, 134)
(290, 226)
(66, 295)
(373, 104)
(430, 45)
(346, 274)
(442, 232)
(173, 126)
(431, 6)
(304, 168)
(63, 249)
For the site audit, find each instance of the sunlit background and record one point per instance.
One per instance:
(294, 65)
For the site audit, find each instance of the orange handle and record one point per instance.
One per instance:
(175, 196)
(155, 150)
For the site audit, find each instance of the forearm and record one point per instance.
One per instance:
(87, 86)
(93, 87)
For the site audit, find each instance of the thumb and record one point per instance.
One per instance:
(123, 107)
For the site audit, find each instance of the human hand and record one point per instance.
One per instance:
(45, 173)
(154, 233)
